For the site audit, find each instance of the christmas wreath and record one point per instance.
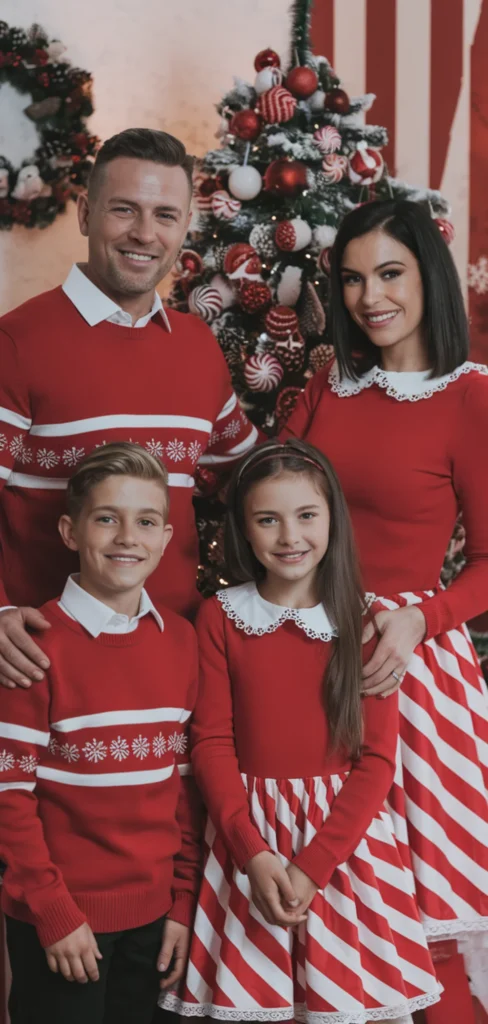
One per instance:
(58, 100)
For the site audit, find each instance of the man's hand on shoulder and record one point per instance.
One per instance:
(21, 660)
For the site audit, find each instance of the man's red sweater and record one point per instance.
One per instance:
(98, 817)
(67, 387)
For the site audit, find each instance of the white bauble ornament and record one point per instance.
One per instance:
(325, 235)
(226, 292)
(290, 286)
(317, 101)
(266, 79)
(245, 182)
(293, 235)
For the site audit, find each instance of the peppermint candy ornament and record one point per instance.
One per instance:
(224, 207)
(205, 302)
(366, 166)
(277, 105)
(293, 235)
(281, 322)
(334, 167)
(263, 373)
(327, 139)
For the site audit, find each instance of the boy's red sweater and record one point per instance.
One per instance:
(98, 820)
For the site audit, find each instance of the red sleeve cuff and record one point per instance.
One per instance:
(58, 919)
(244, 843)
(318, 865)
(183, 909)
(432, 611)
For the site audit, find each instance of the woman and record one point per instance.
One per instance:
(403, 416)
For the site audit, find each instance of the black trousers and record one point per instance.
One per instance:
(126, 992)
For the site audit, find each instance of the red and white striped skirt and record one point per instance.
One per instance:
(439, 802)
(360, 956)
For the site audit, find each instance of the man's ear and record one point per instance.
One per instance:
(82, 210)
(67, 531)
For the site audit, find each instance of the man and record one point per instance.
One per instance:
(100, 360)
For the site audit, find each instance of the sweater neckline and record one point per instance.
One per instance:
(250, 612)
(407, 386)
(104, 639)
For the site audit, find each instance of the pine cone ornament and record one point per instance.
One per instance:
(320, 356)
(312, 313)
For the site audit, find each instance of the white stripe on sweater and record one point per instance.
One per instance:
(5, 786)
(228, 407)
(44, 483)
(140, 778)
(232, 453)
(124, 421)
(14, 418)
(9, 731)
(138, 716)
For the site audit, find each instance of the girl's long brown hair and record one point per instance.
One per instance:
(338, 579)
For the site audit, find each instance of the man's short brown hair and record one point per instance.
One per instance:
(142, 144)
(122, 458)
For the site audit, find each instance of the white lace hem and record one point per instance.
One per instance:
(405, 387)
(244, 606)
(170, 1001)
(461, 931)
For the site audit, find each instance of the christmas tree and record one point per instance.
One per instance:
(294, 157)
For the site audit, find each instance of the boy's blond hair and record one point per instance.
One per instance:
(122, 458)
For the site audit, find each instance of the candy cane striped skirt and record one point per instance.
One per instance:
(439, 801)
(360, 956)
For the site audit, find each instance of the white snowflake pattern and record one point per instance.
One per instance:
(95, 751)
(3, 442)
(119, 749)
(71, 456)
(175, 450)
(19, 451)
(47, 458)
(70, 752)
(194, 451)
(155, 448)
(177, 743)
(140, 747)
(7, 761)
(214, 437)
(53, 745)
(28, 763)
(478, 275)
(101, 445)
(232, 429)
(159, 745)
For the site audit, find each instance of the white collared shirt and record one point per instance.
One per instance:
(95, 306)
(97, 617)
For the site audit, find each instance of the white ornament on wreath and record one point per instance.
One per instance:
(267, 79)
(245, 182)
(290, 286)
(325, 235)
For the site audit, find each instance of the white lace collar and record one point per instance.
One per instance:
(405, 387)
(250, 612)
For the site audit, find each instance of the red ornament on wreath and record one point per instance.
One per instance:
(293, 235)
(286, 177)
(266, 59)
(246, 124)
(291, 353)
(241, 256)
(189, 263)
(254, 296)
(366, 166)
(281, 322)
(337, 101)
(302, 82)
(285, 404)
(204, 191)
(446, 229)
(277, 105)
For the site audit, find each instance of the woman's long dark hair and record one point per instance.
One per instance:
(338, 580)
(445, 321)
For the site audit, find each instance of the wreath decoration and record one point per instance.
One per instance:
(34, 193)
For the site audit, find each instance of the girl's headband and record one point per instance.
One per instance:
(281, 451)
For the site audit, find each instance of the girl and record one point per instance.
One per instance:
(306, 910)
(404, 418)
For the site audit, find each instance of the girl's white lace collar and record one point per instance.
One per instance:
(250, 612)
(405, 387)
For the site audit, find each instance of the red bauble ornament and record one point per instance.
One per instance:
(204, 191)
(291, 353)
(286, 177)
(246, 124)
(446, 229)
(189, 263)
(302, 82)
(337, 101)
(266, 59)
(281, 322)
(366, 166)
(254, 296)
(277, 105)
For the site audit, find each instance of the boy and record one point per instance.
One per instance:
(99, 835)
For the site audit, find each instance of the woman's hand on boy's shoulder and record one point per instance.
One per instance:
(174, 952)
(75, 956)
(21, 660)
